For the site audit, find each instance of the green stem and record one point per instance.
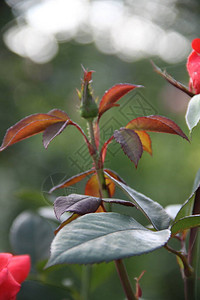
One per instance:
(86, 278)
(105, 193)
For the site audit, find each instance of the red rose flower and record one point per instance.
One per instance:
(13, 271)
(193, 67)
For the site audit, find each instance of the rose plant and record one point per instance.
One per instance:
(92, 233)
(13, 271)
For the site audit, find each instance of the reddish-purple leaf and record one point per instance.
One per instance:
(72, 180)
(31, 125)
(79, 204)
(156, 124)
(111, 96)
(118, 201)
(130, 143)
(52, 131)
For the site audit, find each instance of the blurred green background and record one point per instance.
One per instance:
(40, 69)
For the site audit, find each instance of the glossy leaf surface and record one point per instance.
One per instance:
(156, 124)
(185, 223)
(130, 143)
(103, 237)
(111, 96)
(193, 112)
(151, 209)
(72, 180)
(30, 126)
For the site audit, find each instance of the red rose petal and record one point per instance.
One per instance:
(196, 45)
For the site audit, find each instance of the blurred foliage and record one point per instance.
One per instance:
(166, 177)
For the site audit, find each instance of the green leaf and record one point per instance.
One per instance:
(196, 182)
(186, 208)
(193, 112)
(151, 209)
(31, 234)
(185, 223)
(103, 237)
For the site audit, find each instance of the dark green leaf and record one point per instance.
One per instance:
(103, 237)
(31, 234)
(79, 204)
(185, 223)
(151, 209)
(130, 143)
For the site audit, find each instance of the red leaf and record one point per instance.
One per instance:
(145, 140)
(72, 180)
(111, 96)
(59, 113)
(156, 124)
(92, 186)
(30, 126)
(130, 143)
